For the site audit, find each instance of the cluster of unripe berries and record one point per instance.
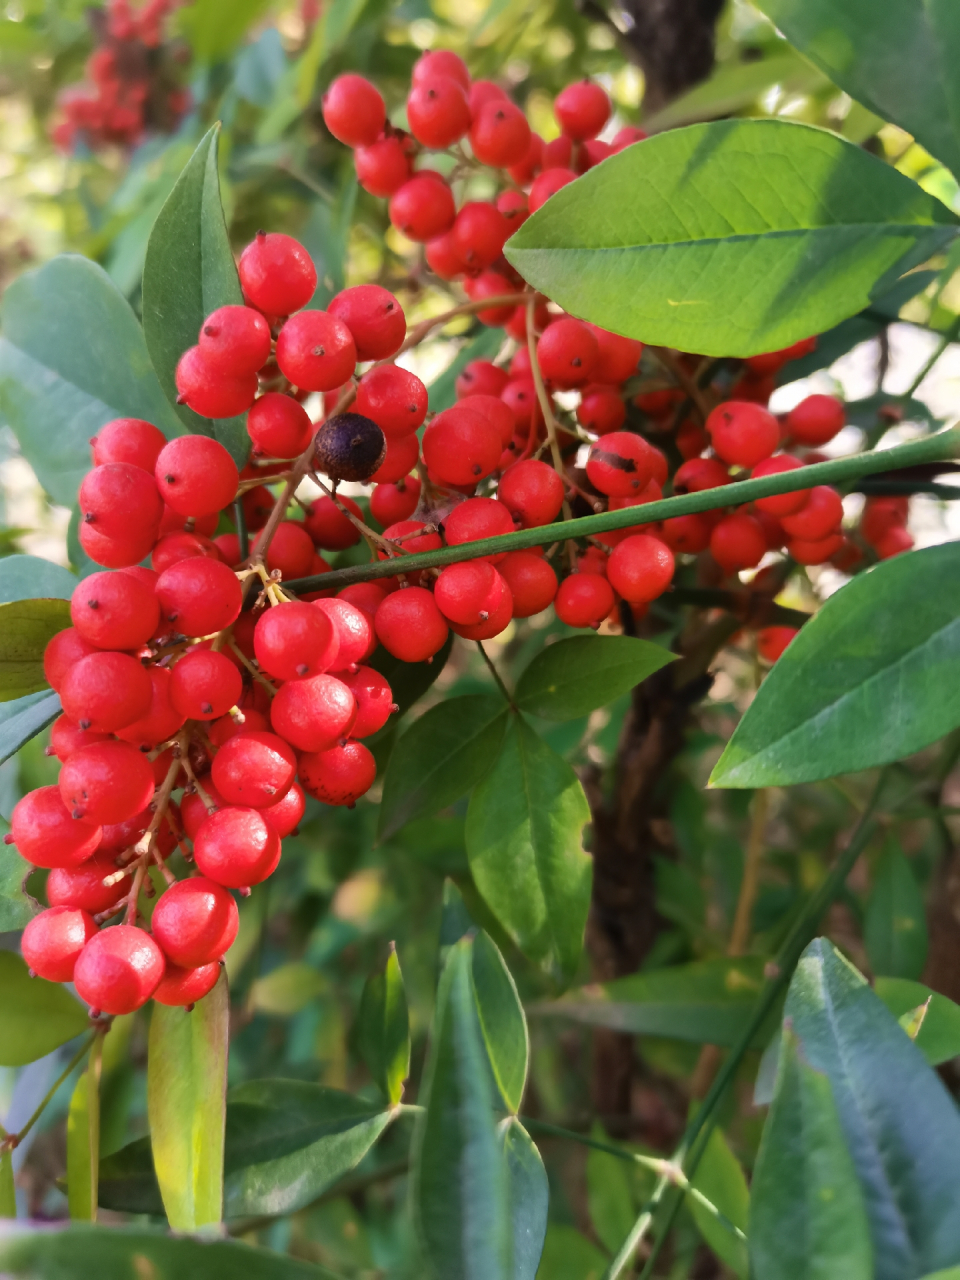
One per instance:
(132, 80)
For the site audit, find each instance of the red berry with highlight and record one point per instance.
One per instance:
(394, 398)
(278, 426)
(743, 434)
(205, 685)
(106, 782)
(195, 922)
(423, 208)
(374, 700)
(106, 691)
(53, 940)
(339, 776)
(582, 109)
(816, 420)
(584, 600)
(438, 111)
(374, 317)
(199, 596)
(82, 887)
(211, 394)
(129, 440)
(410, 626)
(567, 353)
(118, 970)
(234, 341)
(354, 112)
(294, 640)
(531, 580)
(500, 134)
(196, 475)
(236, 847)
(277, 274)
(640, 568)
(114, 611)
(316, 351)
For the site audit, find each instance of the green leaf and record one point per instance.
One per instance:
(409, 680)
(895, 922)
(83, 1140)
(807, 1216)
(502, 1024)
(72, 357)
(8, 1194)
(523, 837)
(25, 628)
(36, 1016)
(215, 29)
(459, 1169)
(383, 1028)
(188, 272)
(186, 1083)
(287, 989)
(868, 680)
(581, 673)
(610, 1198)
(120, 1253)
(444, 753)
(734, 86)
(720, 1179)
(17, 907)
(567, 1255)
(26, 577)
(22, 719)
(899, 59)
(729, 238)
(900, 1124)
(939, 1035)
(529, 1198)
(707, 1002)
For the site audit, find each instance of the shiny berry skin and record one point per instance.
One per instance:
(374, 700)
(491, 626)
(46, 835)
(394, 398)
(410, 626)
(490, 284)
(816, 420)
(584, 600)
(67, 737)
(392, 502)
(193, 810)
(815, 551)
(513, 206)
(195, 921)
(469, 592)
(114, 553)
(880, 515)
(354, 111)
(738, 542)
(205, 685)
(316, 351)
(479, 234)
(291, 550)
(277, 274)
(313, 713)
(174, 547)
(278, 426)
(532, 492)
(601, 409)
(374, 317)
(699, 474)
(438, 111)
(199, 596)
(406, 534)
(531, 580)
(382, 167)
(640, 568)
(236, 847)
(443, 257)
(106, 692)
(356, 639)
(582, 109)
(119, 969)
(285, 815)
(222, 730)
(82, 887)
(499, 134)
(781, 504)
(52, 942)
(254, 768)
(349, 446)
(184, 987)
(820, 515)
(894, 542)
(62, 651)
(209, 393)
(621, 465)
(524, 170)
(481, 377)
(495, 411)
(196, 476)
(340, 775)
(567, 353)
(441, 62)
(234, 341)
(743, 434)
(772, 641)
(399, 459)
(480, 92)
(294, 640)
(129, 440)
(106, 782)
(688, 534)
(114, 611)
(546, 184)
(460, 446)
(228, 544)
(120, 500)
(423, 208)
(329, 527)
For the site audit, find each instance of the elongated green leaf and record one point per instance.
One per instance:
(529, 1194)
(939, 1036)
(502, 1024)
(459, 1166)
(707, 1002)
(287, 989)
(575, 676)
(83, 1140)
(952, 1273)
(567, 1255)
(8, 1194)
(25, 628)
(899, 59)
(17, 907)
(186, 1085)
(409, 680)
(729, 238)
(383, 1028)
(441, 756)
(610, 1195)
(188, 272)
(865, 682)
(72, 357)
(120, 1253)
(35, 1016)
(22, 719)
(214, 29)
(895, 923)
(720, 1179)
(26, 577)
(901, 1126)
(807, 1214)
(523, 838)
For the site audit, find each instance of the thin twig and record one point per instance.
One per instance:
(497, 677)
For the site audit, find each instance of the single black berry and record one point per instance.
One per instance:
(349, 447)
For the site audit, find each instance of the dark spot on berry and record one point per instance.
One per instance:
(170, 479)
(89, 517)
(93, 604)
(206, 708)
(318, 351)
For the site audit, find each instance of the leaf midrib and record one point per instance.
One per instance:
(862, 228)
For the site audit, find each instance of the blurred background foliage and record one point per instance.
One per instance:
(311, 935)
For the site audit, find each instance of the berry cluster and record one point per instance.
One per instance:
(133, 80)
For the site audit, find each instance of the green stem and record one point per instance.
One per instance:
(689, 1151)
(496, 675)
(241, 521)
(942, 446)
(950, 336)
(16, 1138)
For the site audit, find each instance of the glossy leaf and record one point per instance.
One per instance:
(383, 1028)
(188, 272)
(25, 628)
(720, 1179)
(26, 577)
(502, 1024)
(895, 921)
(523, 837)
(119, 1253)
(23, 718)
(36, 1016)
(72, 357)
(459, 1167)
(529, 1198)
(807, 1214)
(409, 680)
(939, 1036)
(577, 675)
(729, 238)
(444, 753)
(83, 1140)
(867, 680)
(898, 59)
(186, 1085)
(900, 1124)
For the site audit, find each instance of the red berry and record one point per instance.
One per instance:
(199, 596)
(498, 620)
(524, 170)
(120, 500)
(410, 626)
(443, 257)
(405, 533)
(423, 208)
(62, 651)
(820, 516)
(441, 62)
(221, 731)
(627, 136)
(689, 534)
(743, 434)
(277, 274)
(532, 492)
(356, 639)
(314, 712)
(496, 412)
(532, 582)
(816, 420)
(479, 234)
(815, 551)
(490, 284)
(254, 768)
(205, 685)
(209, 393)
(340, 775)
(481, 92)
(772, 641)
(316, 351)
(46, 835)
(781, 504)
(236, 847)
(699, 474)
(738, 542)
(621, 465)
(53, 940)
(894, 542)
(161, 721)
(193, 810)
(82, 887)
(328, 527)
(601, 409)
(119, 969)
(278, 426)
(640, 568)
(880, 515)
(460, 446)
(196, 475)
(176, 522)
(106, 691)
(374, 317)
(481, 377)
(129, 440)
(582, 109)
(285, 815)
(374, 701)
(401, 457)
(114, 611)
(584, 600)
(175, 547)
(438, 111)
(291, 550)
(382, 167)
(468, 593)
(295, 640)
(179, 987)
(195, 922)
(546, 184)
(500, 134)
(390, 503)
(365, 596)
(513, 206)
(475, 519)
(106, 782)
(354, 112)
(394, 398)
(67, 737)
(234, 341)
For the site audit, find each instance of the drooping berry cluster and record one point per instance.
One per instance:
(133, 80)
